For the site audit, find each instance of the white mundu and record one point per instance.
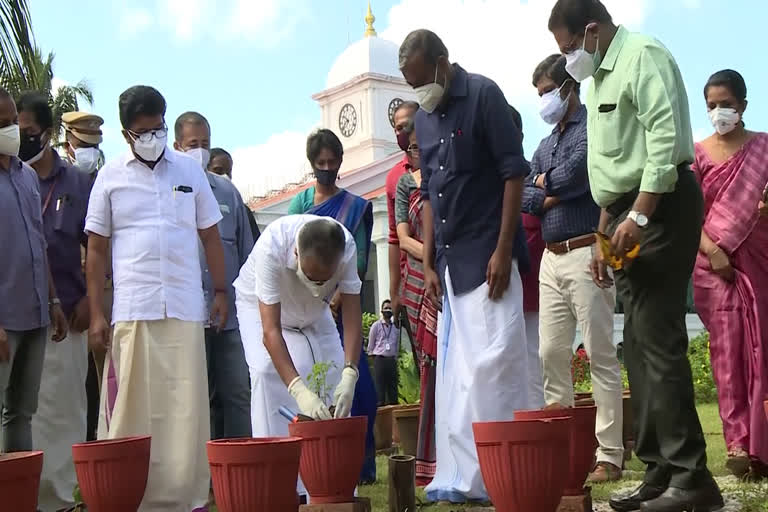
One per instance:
(482, 375)
(270, 276)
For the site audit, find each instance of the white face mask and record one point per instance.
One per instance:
(725, 120)
(202, 155)
(10, 140)
(430, 95)
(150, 151)
(314, 288)
(581, 64)
(553, 106)
(87, 159)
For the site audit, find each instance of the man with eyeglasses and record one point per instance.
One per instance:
(152, 204)
(283, 292)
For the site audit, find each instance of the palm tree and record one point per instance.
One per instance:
(16, 40)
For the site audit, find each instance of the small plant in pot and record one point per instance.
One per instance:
(332, 451)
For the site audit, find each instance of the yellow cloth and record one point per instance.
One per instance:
(162, 390)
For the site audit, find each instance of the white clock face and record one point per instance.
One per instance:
(392, 108)
(347, 120)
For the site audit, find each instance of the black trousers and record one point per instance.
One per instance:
(385, 373)
(92, 393)
(653, 289)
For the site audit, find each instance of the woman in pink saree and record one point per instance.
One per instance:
(732, 270)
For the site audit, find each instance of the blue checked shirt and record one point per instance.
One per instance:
(562, 158)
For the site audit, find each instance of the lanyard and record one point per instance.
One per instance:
(50, 194)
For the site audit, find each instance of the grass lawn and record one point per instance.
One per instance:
(753, 497)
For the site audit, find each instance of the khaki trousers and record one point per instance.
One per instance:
(568, 297)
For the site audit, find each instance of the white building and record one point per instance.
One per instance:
(363, 88)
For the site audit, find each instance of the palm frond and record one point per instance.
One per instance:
(16, 38)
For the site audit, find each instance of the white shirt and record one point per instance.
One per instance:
(269, 275)
(153, 218)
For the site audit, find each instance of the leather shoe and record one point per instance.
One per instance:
(703, 499)
(633, 500)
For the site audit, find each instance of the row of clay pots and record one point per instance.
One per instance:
(522, 460)
(249, 475)
(397, 424)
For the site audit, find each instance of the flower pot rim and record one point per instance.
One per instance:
(332, 420)
(31, 454)
(251, 441)
(553, 419)
(107, 442)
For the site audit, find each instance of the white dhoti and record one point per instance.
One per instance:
(535, 378)
(318, 342)
(155, 384)
(482, 375)
(61, 418)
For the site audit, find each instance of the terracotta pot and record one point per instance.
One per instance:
(257, 475)
(522, 462)
(332, 454)
(112, 474)
(20, 480)
(382, 429)
(407, 420)
(583, 442)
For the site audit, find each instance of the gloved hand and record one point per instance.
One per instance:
(309, 403)
(345, 392)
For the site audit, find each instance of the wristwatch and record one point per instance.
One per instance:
(54, 302)
(638, 218)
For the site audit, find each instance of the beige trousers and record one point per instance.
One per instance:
(568, 297)
(162, 390)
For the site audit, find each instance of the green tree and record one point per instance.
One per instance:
(16, 40)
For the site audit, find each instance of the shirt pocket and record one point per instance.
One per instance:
(227, 224)
(184, 208)
(608, 130)
(66, 218)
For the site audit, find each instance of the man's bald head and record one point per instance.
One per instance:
(321, 245)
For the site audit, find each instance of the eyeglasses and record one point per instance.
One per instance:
(158, 133)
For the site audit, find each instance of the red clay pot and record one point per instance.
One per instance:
(256, 475)
(332, 454)
(20, 480)
(582, 440)
(521, 462)
(113, 473)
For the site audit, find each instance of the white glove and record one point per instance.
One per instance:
(345, 392)
(309, 403)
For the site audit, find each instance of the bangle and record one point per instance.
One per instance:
(54, 302)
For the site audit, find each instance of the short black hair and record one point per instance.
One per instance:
(323, 139)
(411, 105)
(425, 42)
(322, 239)
(189, 118)
(37, 104)
(575, 15)
(140, 100)
(216, 152)
(553, 67)
(731, 80)
(385, 302)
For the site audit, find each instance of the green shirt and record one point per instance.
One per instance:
(305, 201)
(638, 125)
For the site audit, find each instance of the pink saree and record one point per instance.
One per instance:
(736, 314)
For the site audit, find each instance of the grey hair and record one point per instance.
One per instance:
(322, 239)
(422, 41)
(410, 105)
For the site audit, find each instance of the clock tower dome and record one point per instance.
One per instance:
(362, 91)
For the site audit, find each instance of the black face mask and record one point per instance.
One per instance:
(31, 146)
(326, 177)
(387, 315)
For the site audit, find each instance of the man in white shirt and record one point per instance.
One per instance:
(153, 203)
(283, 295)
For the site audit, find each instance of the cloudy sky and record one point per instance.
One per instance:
(251, 66)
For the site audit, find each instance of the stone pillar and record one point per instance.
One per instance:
(380, 240)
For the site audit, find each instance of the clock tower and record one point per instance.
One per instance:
(363, 89)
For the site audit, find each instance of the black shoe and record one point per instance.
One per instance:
(632, 501)
(703, 499)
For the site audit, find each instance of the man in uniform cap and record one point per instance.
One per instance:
(83, 133)
(83, 139)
